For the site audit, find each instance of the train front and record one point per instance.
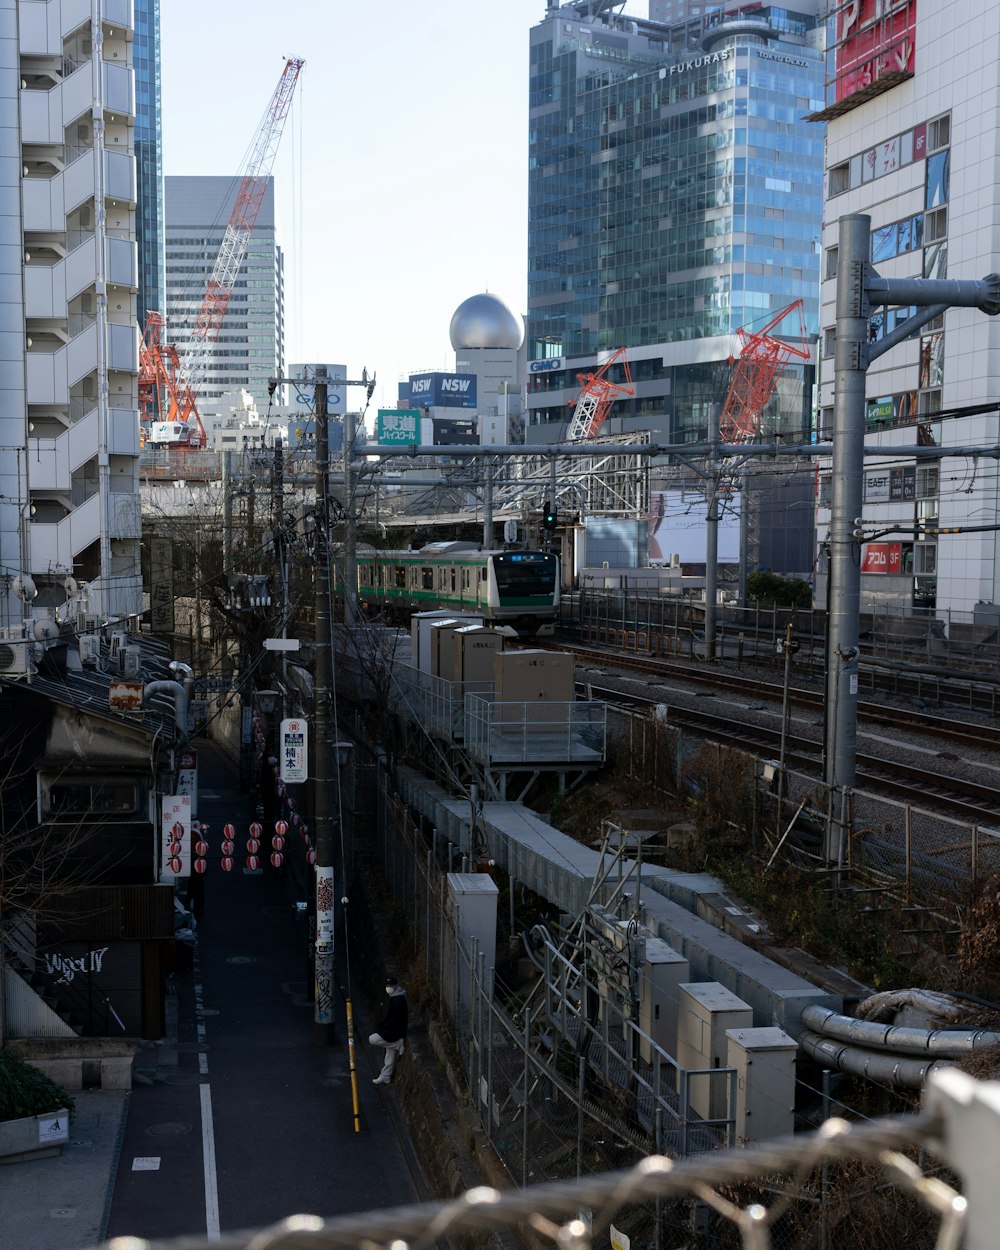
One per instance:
(524, 591)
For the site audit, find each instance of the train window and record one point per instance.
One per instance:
(427, 578)
(400, 577)
(453, 581)
(482, 573)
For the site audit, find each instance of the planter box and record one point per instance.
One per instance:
(33, 1137)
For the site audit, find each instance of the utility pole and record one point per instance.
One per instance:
(323, 757)
(324, 754)
(351, 545)
(859, 287)
(712, 484)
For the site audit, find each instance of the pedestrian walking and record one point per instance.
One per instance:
(391, 1034)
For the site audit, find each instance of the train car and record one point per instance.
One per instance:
(516, 588)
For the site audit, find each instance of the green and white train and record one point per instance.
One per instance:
(517, 588)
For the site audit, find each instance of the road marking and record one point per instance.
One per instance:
(203, 1064)
(146, 1163)
(211, 1178)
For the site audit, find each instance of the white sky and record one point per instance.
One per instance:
(402, 173)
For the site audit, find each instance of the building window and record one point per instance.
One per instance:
(939, 133)
(928, 477)
(840, 179)
(935, 225)
(831, 262)
(925, 558)
(829, 341)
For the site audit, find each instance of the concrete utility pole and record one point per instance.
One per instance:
(324, 752)
(859, 286)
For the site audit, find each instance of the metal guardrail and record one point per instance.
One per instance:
(505, 734)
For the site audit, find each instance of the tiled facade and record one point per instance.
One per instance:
(920, 160)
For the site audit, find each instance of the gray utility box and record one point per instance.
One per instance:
(707, 1010)
(420, 633)
(442, 633)
(472, 903)
(663, 974)
(764, 1060)
(473, 653)
(542, 680)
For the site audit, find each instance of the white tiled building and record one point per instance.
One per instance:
(69, 342)
(914, 142)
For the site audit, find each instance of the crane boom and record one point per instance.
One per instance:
(756, 372)
(237, 236)
(597, 394)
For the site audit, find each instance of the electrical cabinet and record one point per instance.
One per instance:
(764, 1060)
(707, 1010)
(663, 973)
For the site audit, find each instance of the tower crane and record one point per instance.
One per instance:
(597, 394)
(161, 369)
(755, 374)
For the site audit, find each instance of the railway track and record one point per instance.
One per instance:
(962, 798)
(751, 688)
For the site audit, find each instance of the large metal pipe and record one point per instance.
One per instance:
(901, 1039)
(180, 697)
(884, 1069)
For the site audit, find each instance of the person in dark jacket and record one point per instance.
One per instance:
(391, 1035)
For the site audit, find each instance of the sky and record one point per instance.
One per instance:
(401, 179)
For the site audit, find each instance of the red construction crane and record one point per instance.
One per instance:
(168, 412)
(755, 374)
(181, 380)
(597, 394)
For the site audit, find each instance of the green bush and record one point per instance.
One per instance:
(25, 1091)
(782, 592)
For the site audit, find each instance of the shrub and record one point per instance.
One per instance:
(24, 1090)
(782, 592)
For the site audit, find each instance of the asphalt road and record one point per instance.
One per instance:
(238, 1119)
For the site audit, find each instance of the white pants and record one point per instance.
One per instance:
(392, 1050)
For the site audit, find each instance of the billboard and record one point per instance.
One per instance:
(678, 526)
(875, 44)
(397, 427)
(303, 396)
(443, 390)
(882, 558)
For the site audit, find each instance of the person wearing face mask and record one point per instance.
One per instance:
(391, 1032)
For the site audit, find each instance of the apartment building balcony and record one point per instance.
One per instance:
(53, 460)
(46, 114)
(53, 367)
(51, 191)
(38, 36)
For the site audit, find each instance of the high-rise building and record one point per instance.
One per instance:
(149, 159)
(913, 140)
(69, 446)
(675, 195)
(250, 347)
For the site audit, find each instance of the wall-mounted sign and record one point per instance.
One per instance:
(125, 696)
(175, 836)
(397, 426)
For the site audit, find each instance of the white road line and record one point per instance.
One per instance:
(211, 1178)
(203, 1064)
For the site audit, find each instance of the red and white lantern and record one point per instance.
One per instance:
(277, 859)
(253, 863)
(175, 864)
(296, 818)
(256, 829)
(277, 843)
(281, 827)
(175, 849)
(229, 832)
(310, 856)
(229, 847)
(177, 830)
(200, 865)
(201, 849)
(253, 846)
(227, 863)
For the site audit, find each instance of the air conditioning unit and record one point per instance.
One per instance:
(131, 659)
(15, 658)
(87, 623)
(90, 648)
(118, 644)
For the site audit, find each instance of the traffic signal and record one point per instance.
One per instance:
(549, 517)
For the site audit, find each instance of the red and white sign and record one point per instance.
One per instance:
(175, 837)
(882, 558)
(187, 777)
(876, 40)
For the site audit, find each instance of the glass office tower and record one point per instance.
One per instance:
(675, 195)
(149, 159)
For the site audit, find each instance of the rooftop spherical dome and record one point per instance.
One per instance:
(486, 321)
